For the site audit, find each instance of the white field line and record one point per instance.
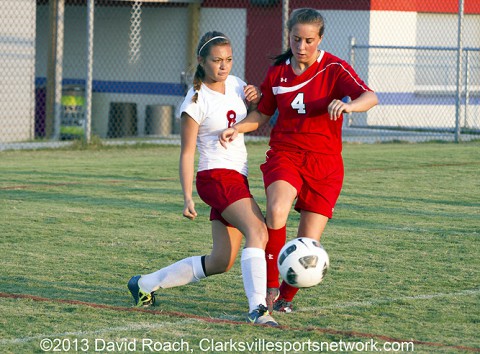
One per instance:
(102, 331)
(374, 302)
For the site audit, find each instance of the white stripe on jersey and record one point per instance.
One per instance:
(278, 90)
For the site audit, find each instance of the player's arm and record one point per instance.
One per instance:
(362, 103)
(252, 122)
(189, 132)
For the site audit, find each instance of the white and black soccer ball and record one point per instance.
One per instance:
(303, 262)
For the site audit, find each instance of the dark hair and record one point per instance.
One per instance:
(209, 40)
(304, 16)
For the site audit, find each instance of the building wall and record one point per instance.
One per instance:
(417, 88)
(256, 35)
(17, 55)
(152, 80)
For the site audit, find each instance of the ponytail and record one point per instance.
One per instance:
(281, 58)
(197, 82)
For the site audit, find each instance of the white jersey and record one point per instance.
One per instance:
(215, 112)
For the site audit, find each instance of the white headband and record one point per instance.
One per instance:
(211, 39)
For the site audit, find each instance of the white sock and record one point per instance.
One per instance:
(188, 270)
(254, 272)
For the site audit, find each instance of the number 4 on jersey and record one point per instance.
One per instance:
(298, 104)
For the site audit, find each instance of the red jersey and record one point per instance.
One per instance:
(303, 122)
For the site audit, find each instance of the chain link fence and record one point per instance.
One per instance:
(118, 70)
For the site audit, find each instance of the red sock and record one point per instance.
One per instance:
(287, 292)
(276, 240)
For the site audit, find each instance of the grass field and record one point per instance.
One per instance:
(77, 224)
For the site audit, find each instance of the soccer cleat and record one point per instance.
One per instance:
(140, 297)
(282, 305)
(261, 316)
(272, 296)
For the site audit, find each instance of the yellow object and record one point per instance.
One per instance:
(73, 101)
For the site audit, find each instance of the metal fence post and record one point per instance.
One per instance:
(285, 8)
(352, 51)
(55, 69)
(467, 90)
(59, 68)
(88, 80)
(458, 98)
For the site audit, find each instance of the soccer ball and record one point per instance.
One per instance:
(303, 262)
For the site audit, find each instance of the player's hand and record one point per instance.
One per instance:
(336, 108)
(252, 94)
(227, 136)
(189, 210)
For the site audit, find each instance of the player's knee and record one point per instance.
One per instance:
(277, 215)
(257, 236)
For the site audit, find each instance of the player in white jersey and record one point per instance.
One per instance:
(213, 111)
(216, 102)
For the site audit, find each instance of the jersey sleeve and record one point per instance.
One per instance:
(349, 83)
(193, 109)
(268, 103)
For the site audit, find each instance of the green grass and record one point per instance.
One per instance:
(76, 224)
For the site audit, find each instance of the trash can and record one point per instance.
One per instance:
(158, 120)
(72, 124)
(122, 120)
(40, 111)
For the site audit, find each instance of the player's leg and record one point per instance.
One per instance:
(312, 225)
(187, 270)
(226, 243)
(280, 196)
(246, 215)
(240, 210)
(282, 184)
(323, 178)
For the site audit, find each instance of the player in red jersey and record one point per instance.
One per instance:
(304, 161)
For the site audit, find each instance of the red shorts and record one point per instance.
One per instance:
(318, 178)
(220, 188)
